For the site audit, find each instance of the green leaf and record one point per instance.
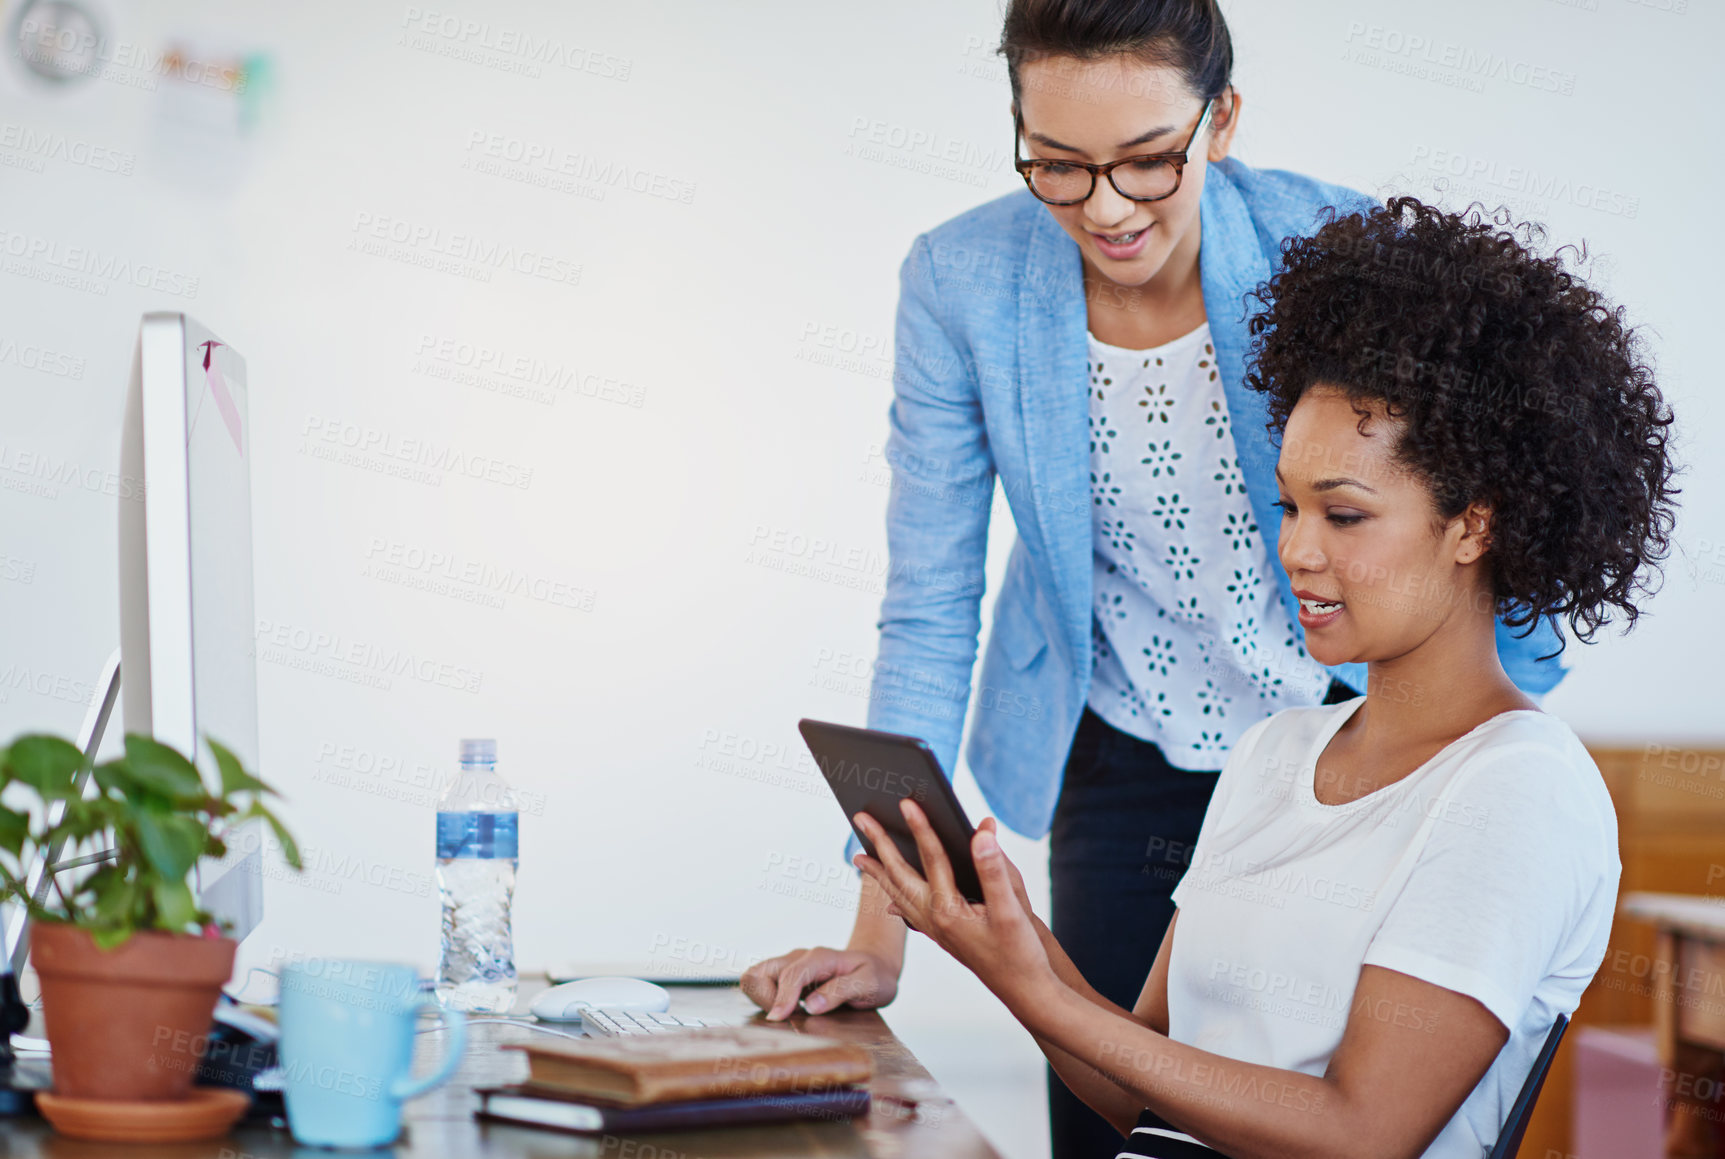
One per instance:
(115, 894)
(13, 887)
(14, 828)
(290, 849)
(45, 763)
(162, 769)
(108, 938)
(113, 776)
(103, 879)
(235, 779)
(123, 789)
(175, 907)
(172, 844)
(81, 821)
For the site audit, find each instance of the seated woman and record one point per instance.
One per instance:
(1392, 898)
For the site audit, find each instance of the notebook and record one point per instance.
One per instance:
(531, 1106)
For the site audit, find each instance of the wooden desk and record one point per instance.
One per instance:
(911, 1119)
(1687, 980)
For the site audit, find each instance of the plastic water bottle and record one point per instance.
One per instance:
(477, 821)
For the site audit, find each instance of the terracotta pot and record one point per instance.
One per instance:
(127, 1023)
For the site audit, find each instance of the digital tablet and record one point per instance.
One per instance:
(871, 772)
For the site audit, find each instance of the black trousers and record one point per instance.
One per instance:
(1123, 833)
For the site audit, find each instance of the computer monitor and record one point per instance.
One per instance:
(188, 665)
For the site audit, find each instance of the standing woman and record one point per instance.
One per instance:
(1083, 341)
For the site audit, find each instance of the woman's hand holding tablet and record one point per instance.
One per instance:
(996, 939)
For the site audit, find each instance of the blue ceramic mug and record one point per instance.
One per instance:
(347, 1032)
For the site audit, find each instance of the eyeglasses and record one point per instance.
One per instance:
(1147, 177)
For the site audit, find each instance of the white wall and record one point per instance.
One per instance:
(752, 323)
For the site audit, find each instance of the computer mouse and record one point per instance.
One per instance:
(564, 1003)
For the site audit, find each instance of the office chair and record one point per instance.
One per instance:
(1509, 1142)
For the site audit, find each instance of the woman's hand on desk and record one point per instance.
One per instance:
(858, 978)
(998, 940)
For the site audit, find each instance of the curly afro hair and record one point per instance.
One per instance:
(1520, 387)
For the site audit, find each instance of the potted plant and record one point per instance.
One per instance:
(130, 966)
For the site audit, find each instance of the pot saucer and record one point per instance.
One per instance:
(205, 1113)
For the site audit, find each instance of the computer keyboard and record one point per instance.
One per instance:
(609, 1022)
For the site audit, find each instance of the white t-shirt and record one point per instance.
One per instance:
(1491, 870)
(1192, 642)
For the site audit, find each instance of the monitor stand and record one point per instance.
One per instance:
(20, 1079)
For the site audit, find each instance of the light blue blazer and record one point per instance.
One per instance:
(990, 381)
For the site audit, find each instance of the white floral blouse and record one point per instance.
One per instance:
(1192, 647)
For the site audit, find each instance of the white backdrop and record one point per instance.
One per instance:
(569, 374)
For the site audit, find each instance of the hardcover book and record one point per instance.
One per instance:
(712, 1063)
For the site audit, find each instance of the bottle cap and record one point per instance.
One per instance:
(478, 751)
